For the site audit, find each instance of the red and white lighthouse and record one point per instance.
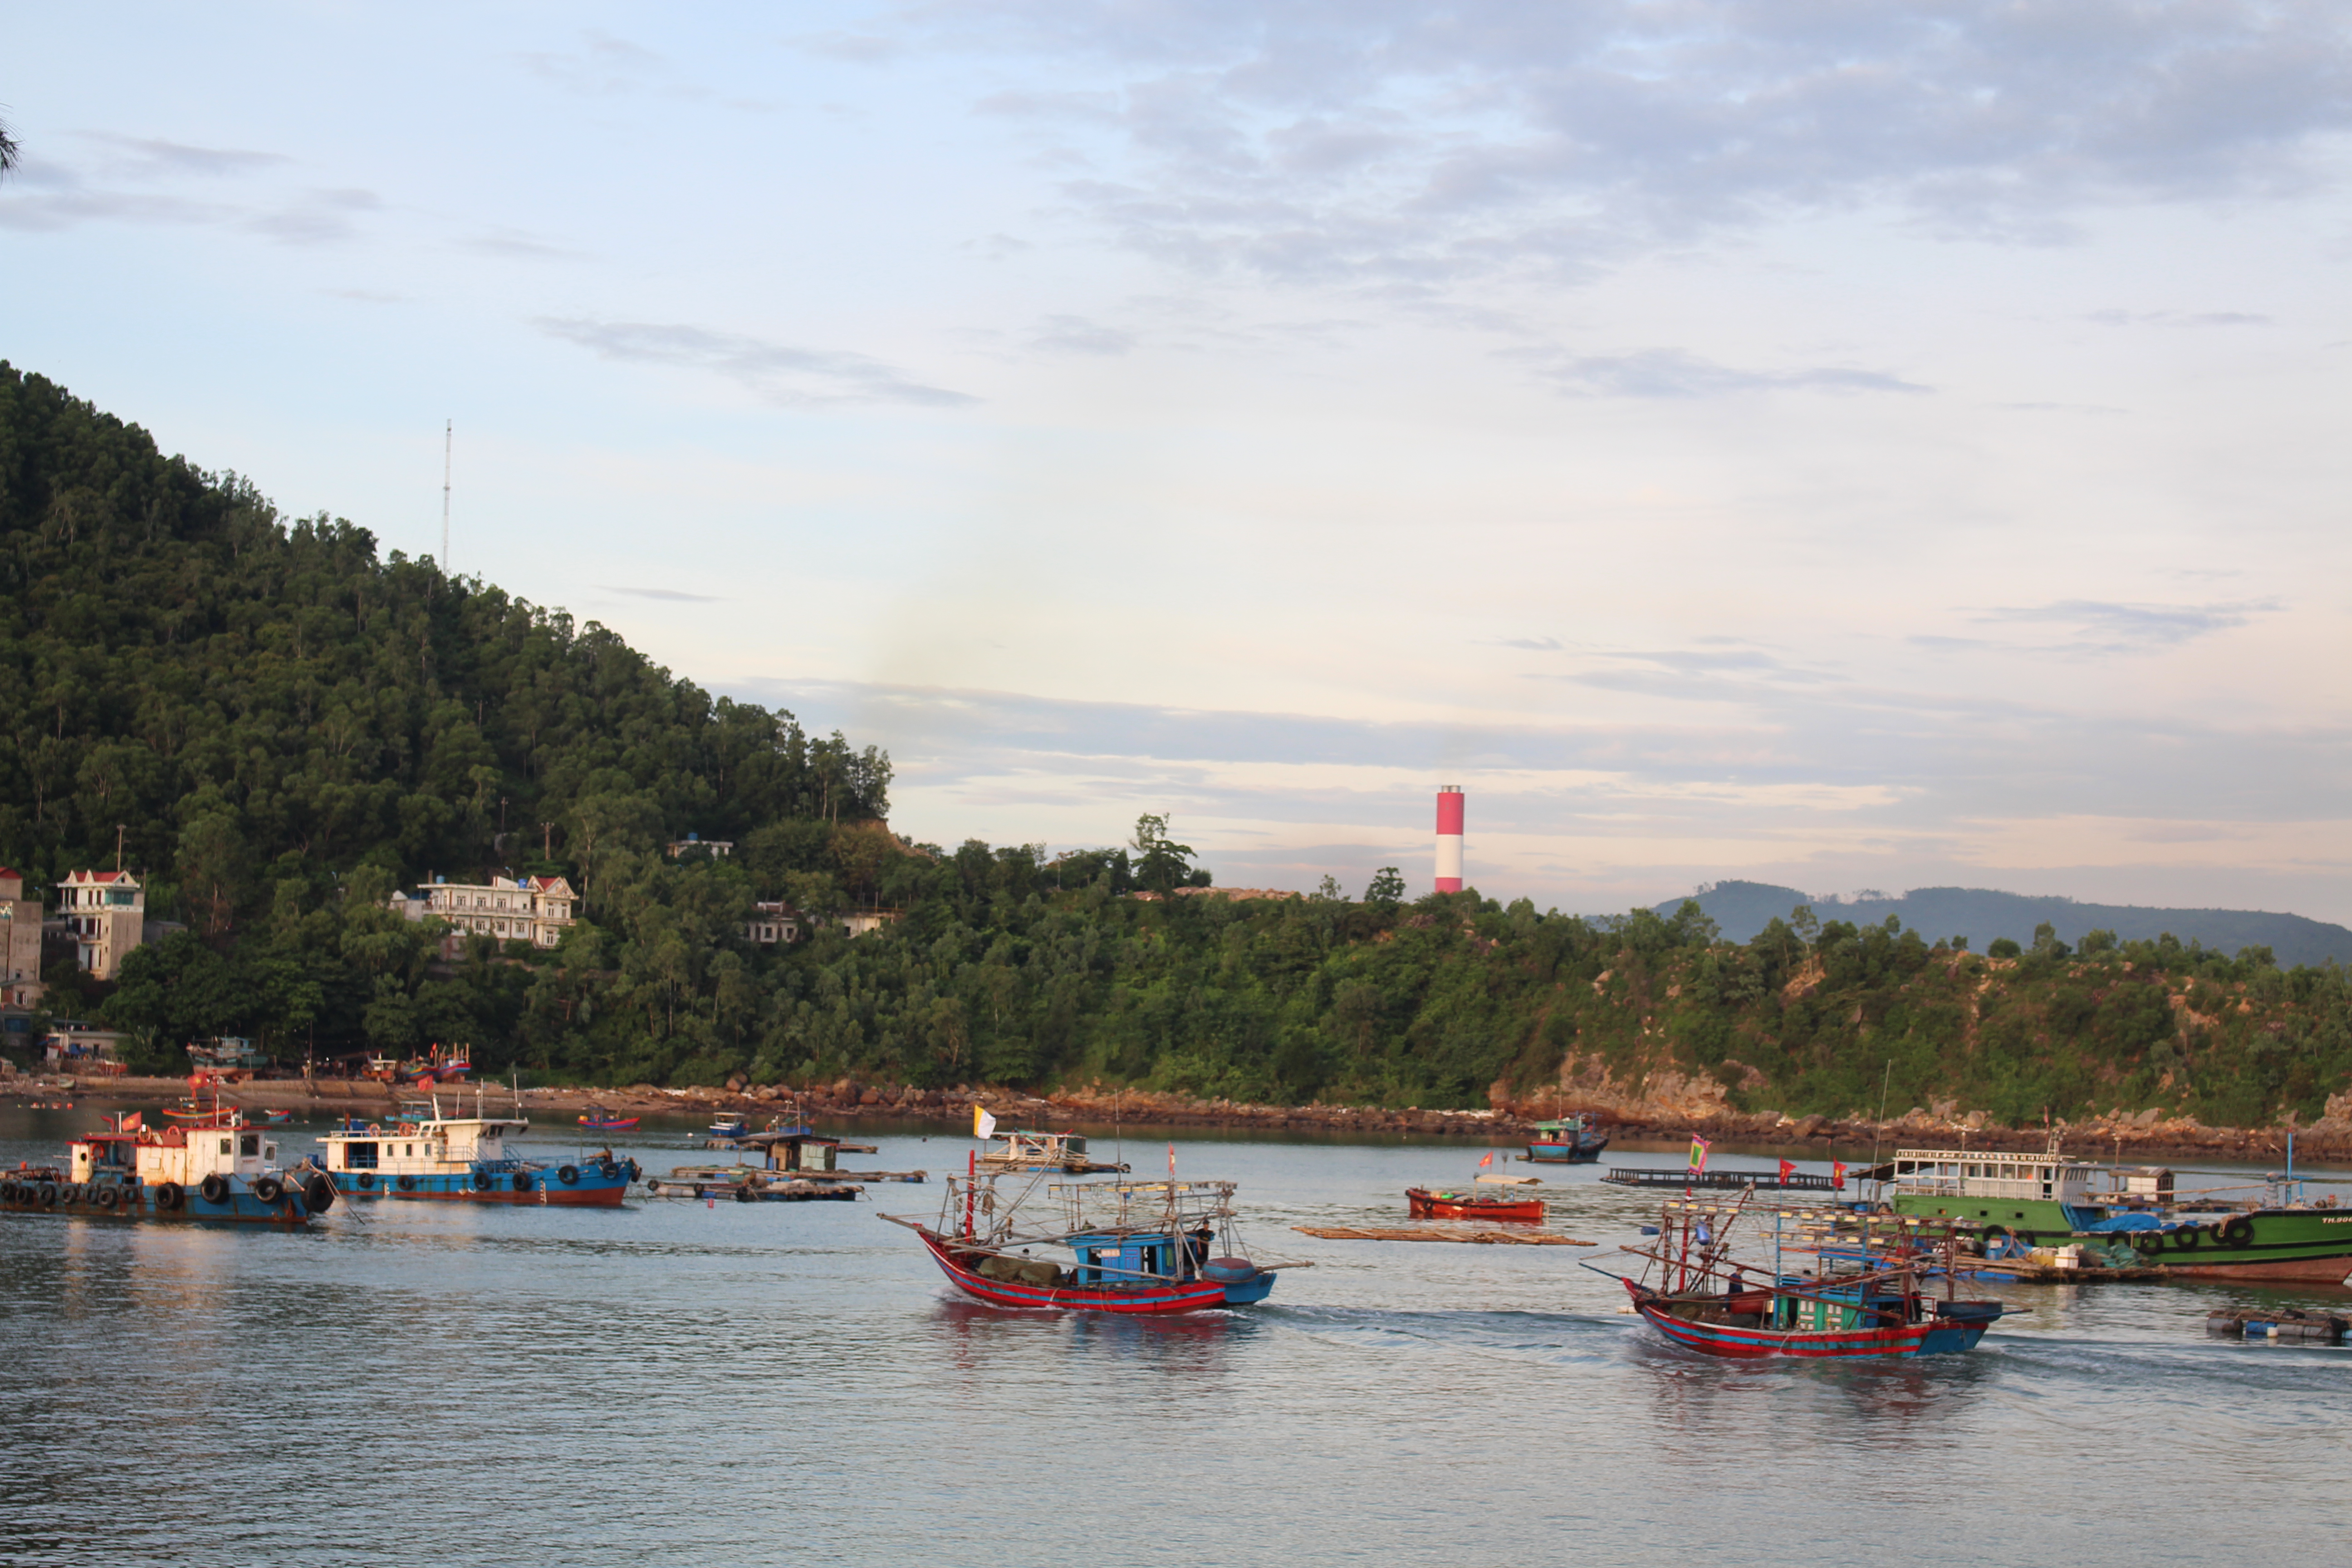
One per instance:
(1449, 838)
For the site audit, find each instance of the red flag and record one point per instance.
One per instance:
(1486, 1159)
(1787, 1169)
(133, 1123)
(1837, 1176)
(1171, 1162)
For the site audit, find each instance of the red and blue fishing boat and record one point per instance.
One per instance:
(596, 1118)
(1142, 1248)
(1859, 1298)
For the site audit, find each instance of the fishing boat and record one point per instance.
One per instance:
(270, 1118)
(726, 1128)
(220, 1169)
(1860, 1296)
(2019, 1201)
(1450, 1204)
(465, 1159)
(1014, 1152)
(1565, 1140)
(596, 1118)
(1132, 1247)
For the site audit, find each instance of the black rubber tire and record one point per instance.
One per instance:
(46, 1194)
(318, 1195)
(214, 1188)
(405, 1183)
(7, 1191)
(2188, 1236)
(611, 1171)
(482, 1181)
(367, 1180)
(107, 1196)
(653, 1189)
(268, 1189)
(569, 1176)
(170, 1198)
(2238, 1232)
(522, 1181)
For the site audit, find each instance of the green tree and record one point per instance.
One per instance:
(1386, 887)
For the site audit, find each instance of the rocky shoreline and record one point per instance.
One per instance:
(2142, 1134)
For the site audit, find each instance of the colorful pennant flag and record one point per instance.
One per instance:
(1837, 1176)
(1699, 1147)
(983, 1125)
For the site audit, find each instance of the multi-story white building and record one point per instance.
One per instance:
(20, 942)
(536, 909)
(107, 913)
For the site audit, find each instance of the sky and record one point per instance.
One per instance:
(1836, 443)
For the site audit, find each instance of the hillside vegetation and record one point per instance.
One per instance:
(287, 726)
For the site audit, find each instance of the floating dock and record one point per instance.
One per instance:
(1475, 1238)
(2278, 1323)
(1762, 1181)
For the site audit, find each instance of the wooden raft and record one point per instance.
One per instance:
(1478, 1237)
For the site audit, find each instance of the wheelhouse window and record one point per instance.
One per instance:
(359, 1156)
(251, 1144)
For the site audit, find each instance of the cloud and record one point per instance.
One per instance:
(1672, 373)
(152, 158)
(667, 596)
(2109, 627)
(514, 244)
(316, 217)
(778, 371)
(1532, 645)
(2177, 319)
(1076, 336)
(1423, 146)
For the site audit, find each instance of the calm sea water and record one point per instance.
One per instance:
(673, 1383)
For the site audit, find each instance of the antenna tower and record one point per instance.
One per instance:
(448, 436)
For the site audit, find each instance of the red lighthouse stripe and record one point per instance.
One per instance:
(1449, 812)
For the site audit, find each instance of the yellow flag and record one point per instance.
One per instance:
(983, 1125)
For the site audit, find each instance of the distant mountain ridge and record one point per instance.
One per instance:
(1982, 914)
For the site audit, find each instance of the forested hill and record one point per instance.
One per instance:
(287, 727)
(1983, 916)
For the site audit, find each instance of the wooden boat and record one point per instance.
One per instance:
(1859, 1298)
(596, 1118)
(1061, 1151)
(1449, 1204)
(274, 1118)
(1565, 1140)
(1142, 1248)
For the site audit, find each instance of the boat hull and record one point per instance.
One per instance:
(1566, 1154)
(2305, 1245)
(593, 1188)
(1148, 1301)
(1437, 1206)
(1938, 1336)
(143, 1202)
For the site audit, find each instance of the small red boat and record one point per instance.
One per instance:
(1427, 1205)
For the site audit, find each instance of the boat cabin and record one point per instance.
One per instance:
(1989, 1173)
(182, 1154)
(424, 1147)
(1107, 1260)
